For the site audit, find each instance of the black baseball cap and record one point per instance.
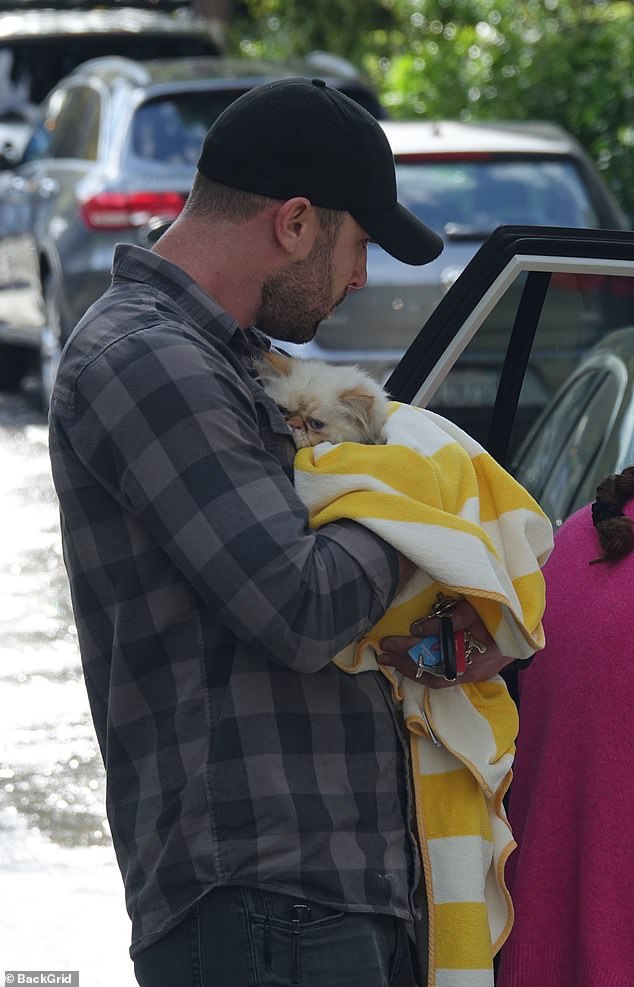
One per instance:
(301, 137)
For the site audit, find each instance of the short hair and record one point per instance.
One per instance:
(213, 200)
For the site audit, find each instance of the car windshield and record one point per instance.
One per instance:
(468, 199)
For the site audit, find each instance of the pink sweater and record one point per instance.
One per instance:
(572, 797)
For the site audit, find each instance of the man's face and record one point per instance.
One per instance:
(294, 302)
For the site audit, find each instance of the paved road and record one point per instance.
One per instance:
(61, 896)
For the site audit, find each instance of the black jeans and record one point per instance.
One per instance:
(240, 937)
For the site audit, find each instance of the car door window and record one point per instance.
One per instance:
(69, 127)
(39, 143)
(570, 312)
(76, 132)
(561, 449)
(523, 311)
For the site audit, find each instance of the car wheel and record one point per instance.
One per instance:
(51, 343)
(14, 363)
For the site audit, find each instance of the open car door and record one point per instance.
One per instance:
(511, 328)
(498, 349)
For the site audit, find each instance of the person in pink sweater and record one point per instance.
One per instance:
(572, 798)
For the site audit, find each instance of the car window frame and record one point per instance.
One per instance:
(508, 252)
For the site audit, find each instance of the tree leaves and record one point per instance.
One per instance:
(569, 61)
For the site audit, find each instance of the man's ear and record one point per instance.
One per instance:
(296, 227)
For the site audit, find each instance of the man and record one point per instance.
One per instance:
(256, 794)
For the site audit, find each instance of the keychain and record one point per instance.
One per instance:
(446, 654)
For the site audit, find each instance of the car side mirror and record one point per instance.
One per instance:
(155, 228)
(9, 156)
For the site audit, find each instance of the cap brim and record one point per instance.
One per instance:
(401, 234)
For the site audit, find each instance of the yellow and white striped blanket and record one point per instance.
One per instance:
(471, 529)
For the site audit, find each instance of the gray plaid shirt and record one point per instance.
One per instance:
(236, 753)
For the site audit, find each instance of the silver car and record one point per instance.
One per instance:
(116, 144)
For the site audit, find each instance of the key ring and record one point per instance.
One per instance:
(449, 653)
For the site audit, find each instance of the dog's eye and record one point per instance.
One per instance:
(315, 424)
(284, 411)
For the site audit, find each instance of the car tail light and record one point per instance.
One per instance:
(124, 211)
(432, 157)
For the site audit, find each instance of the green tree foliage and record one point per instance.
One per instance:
(569, 61)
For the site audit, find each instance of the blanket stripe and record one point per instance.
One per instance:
(441, 500)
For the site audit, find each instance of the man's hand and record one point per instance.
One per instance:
(464, 617)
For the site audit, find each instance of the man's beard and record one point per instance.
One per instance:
(294, 302)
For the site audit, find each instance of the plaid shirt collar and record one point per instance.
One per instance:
(139, 265)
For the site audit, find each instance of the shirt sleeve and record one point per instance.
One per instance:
(170, 429)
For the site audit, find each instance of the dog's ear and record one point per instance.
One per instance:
(278, 362)
(359, 402)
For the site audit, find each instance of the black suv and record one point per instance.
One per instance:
(42, 40)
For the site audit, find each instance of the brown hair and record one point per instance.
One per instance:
(614, 529)
(216, 201)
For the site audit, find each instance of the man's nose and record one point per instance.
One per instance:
(360, 276)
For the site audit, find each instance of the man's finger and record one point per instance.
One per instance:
(407, 668)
